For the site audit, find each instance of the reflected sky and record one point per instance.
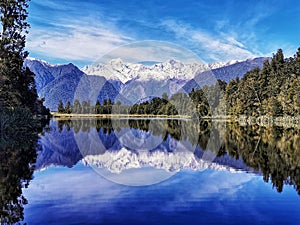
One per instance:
(79, 195)
(139, 191)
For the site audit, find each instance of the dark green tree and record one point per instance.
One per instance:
(68, 108)
(231, 96)
(17, 83)
(107, 106)
(98, 108)
(60, 107)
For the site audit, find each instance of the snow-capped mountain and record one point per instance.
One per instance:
(116, 69)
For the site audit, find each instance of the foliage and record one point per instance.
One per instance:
(272, 91)
(18, 120)
(198, 103)
(60, 107)
(85, 107)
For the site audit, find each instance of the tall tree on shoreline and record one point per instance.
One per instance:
(17, 86)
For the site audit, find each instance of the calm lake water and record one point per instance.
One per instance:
(160, 171)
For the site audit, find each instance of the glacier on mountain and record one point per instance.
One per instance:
(116, 69)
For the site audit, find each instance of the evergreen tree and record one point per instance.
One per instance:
(76, 107)
(98, 107)
(68, 107)
(274, 107)
(117, 108)
(17, 83)
(165, 96)
(231, 96)
(85, 107)
(60, 107)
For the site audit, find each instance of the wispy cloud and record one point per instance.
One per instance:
(75, 40)
(249, 26)
(213, 47)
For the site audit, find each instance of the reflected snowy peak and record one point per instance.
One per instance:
(118, 161)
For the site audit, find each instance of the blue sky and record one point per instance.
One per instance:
(81, 32)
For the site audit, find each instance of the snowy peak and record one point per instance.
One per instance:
(117, 69)
(42, 62)
(116, 62)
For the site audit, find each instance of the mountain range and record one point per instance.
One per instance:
(128, 82)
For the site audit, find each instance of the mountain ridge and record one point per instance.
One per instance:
(170, 69)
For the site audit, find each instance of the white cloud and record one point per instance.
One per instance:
(75, 40)
(215, 47)
(234, 42)
(49, 4)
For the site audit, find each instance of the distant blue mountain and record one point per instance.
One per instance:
(67, 82)
(225, 73)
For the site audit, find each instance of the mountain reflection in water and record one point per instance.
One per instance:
(174, 145)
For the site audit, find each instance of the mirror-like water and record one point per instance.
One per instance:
(157, 171)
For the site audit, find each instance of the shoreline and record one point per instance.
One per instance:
(283, 121)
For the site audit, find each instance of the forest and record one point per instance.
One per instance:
(271, 91)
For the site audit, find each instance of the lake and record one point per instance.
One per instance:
(154, 171)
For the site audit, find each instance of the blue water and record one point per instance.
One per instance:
(80, 196)
(66, 191)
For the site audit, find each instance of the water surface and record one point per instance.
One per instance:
(163, 172)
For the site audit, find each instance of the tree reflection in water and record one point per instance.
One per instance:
(274, 151)
(18, 140)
